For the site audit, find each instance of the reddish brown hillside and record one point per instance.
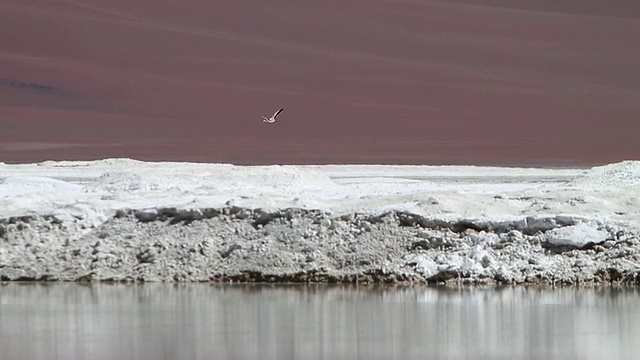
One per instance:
(465, 81)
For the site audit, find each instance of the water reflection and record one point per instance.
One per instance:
(161, 321)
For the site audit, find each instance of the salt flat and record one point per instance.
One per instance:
(80, 201)
(96, 189)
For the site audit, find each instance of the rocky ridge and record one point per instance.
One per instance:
(234, 244)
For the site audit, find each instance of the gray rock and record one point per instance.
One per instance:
(146, 215)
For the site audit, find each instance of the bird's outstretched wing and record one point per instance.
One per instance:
(277, 112)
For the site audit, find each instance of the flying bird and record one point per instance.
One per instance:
(272, 119)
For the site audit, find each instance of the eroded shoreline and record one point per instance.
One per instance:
(234, 244)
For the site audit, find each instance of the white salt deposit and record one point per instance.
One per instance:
(576, 235)
(375, 222)
(626, 173)
(102, 187)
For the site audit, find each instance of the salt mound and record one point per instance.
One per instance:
(622, 173)
(287, 177)
(268, 179)
(35, 184)
(576, 235)
(221, 177)
(90, 163)
(124, 181)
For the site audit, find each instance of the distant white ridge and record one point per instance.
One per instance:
(606, 193)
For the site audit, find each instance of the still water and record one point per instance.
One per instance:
(201, 321)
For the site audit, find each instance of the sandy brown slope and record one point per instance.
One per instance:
(465, 81)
